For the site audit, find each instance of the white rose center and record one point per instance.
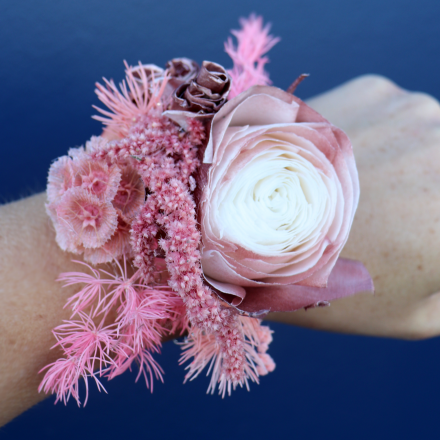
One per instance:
(278, 202)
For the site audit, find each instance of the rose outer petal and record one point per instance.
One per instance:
(347, 278)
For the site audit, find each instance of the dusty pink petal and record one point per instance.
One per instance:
(116, 247)
(87, 219)
(61, 174)
(236, 292)
(130, 195)
(66, 241)
(97, 178)
(347, 278)
(261, 109)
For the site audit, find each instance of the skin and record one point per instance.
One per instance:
(396, 234)
(396, 230)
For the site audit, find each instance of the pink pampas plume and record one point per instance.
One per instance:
(137, 96)
(253, 41)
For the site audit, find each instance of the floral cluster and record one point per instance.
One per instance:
(209, 199)
(93, 202)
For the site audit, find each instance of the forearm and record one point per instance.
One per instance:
(31, 301)
(396, 230)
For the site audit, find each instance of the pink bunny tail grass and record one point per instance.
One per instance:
(137, 96)
(208, 349)
(253, 41)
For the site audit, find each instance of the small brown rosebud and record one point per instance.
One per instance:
(182, 70)
(206, 93)
(152, 72)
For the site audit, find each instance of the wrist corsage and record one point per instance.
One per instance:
(210, 199)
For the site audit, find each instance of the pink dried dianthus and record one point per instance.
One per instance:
(84, 219)
(97, 178)
(116, 247)
(130, 195)
(137, 96)
(61, 176)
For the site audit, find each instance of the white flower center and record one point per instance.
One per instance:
(278, 202)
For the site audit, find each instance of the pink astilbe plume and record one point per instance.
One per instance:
(204, 350)
(138, 95)
(165, 158)
(253, 42)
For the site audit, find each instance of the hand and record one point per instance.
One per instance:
(396, 231)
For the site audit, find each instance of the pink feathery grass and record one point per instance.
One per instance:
(139, 308)
(140, 315)
(253, 42)
(93, 290)
(138, 329)
(85, 345)
(62, 379)
(147, 366)
(137, 96)
(86, 341)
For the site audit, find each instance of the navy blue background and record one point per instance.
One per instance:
(325, 385)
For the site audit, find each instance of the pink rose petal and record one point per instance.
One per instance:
(347, 278)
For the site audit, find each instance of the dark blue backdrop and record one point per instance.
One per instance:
(325, 385)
